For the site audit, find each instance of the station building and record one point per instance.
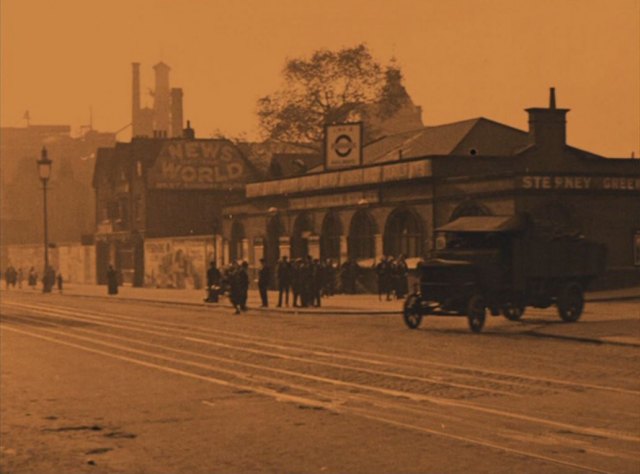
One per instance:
(402, 187)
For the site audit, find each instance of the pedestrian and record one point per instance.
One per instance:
(306, 276)
(244, 285)
(264, 276)
(317, 278)
(59, 281)
(296, 283)
(329, 279)
(283, 272)
(401, 275)
(112, 280)
(32, 278)
(235, 292)
(213, 283)
(382, 272)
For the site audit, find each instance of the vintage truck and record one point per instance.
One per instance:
(504, 264)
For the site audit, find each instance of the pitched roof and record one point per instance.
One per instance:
(476, 136)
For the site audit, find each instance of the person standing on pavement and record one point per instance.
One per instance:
(264, 276)
(33, 278)
(382, 274)
(296, 283)
(213, 283)
(59, 282)
(283, 271)
(235, 293)
(244, 285)
(317, 272)
(402, 275)
(112, 281)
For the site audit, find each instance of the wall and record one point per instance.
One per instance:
(75, 262)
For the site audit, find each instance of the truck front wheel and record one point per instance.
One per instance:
(476, 313)
(411, 311)
(570, 302)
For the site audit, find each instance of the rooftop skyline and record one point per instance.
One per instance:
(460, 59)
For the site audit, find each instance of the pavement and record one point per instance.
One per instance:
(619, 326)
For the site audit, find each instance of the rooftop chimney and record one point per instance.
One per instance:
(176, 112)
(189, 133)
(135, 100)
(548, 127)
(162, 98)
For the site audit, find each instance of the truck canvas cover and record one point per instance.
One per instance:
(485, 224)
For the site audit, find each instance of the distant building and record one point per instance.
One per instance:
(70, 197)
(164, 120)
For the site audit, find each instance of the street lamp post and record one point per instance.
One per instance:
(44, 170)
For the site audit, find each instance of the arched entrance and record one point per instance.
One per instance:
(362, 233)
(275, 230)
(330, 237)
(235, 245)
(302, 229)
(403, 234)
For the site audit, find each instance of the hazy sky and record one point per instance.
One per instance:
(460, 58)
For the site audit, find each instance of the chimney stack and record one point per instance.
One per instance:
(548, 127)
(189, 133)
(162, 98)
(135, 100)
(176, 112)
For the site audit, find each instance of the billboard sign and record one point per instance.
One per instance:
(343, 145)
(197, 164)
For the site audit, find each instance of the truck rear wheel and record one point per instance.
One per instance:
(411, 311)
(476, 313)
(570, 302)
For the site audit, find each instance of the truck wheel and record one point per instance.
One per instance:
(411, 311)
(476, 312)
(570, 302)
(513, 311)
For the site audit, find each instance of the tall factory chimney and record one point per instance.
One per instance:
(135, 100)
(176, 112)
(162, 100)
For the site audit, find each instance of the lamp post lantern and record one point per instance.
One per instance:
(44, 171)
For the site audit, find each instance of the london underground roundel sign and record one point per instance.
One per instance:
(343, 145)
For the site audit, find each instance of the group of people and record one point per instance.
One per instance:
(392, 276)
(13, 278)
(307, 279)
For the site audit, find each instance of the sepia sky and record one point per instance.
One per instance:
(460, 58)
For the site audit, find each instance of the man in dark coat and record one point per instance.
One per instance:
(283, 271)
(112, 281)
(243, 279)
(296, 283)
(401, 277)
(382, 272)
(213, 283)
(318, 282)
(264, 276)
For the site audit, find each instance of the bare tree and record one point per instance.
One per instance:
(329, 87)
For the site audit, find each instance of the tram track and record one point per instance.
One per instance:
(481, 374)
(413, 410)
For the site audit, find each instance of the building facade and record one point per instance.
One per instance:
(411, 183)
